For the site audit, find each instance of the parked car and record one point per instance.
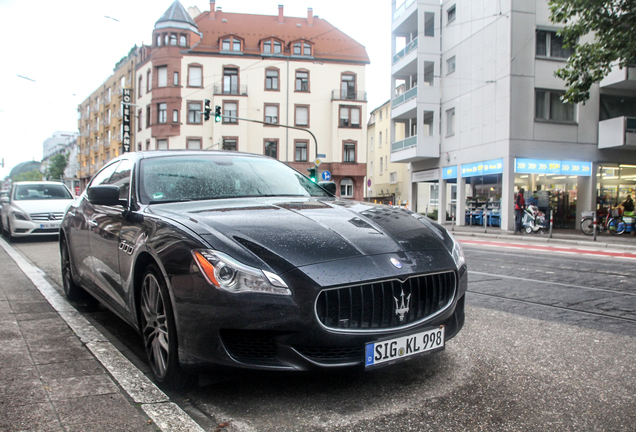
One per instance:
(34, 208)
(3, 194)
(224, 259)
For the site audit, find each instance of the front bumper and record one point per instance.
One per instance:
(255, 331)
(22, 228)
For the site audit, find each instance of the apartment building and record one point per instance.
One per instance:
(483, 118)
(101, 118)
(301, 72)
(387, 182)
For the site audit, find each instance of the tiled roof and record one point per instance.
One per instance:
(176, 13)
(329, 42)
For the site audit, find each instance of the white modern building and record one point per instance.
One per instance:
(482, 114)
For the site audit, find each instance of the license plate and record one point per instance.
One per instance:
(49, 225)
(405, 346)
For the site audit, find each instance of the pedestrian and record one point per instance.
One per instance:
(520, 205)
(628, 205)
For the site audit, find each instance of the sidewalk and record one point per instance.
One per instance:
(57, 373)
(626, 241)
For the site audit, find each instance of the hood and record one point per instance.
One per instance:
(42, 206)
(298, 232)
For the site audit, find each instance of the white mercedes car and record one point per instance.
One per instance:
(34, 208)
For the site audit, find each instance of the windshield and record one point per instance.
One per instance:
(41, 192)
(201, 177)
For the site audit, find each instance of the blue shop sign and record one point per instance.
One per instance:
(547, 166)
(494, 166)
(449, 172)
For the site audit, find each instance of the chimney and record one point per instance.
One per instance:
(212, 14)
(310, 16)
(281, 19)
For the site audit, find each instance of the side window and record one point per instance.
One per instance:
(103, 176)
(121, 178)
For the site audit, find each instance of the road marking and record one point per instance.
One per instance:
(165, 414)
(627, 255)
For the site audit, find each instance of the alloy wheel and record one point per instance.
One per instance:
(155, 325)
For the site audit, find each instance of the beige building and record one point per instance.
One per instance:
(100, 120)
(301, 72)
(387, 182)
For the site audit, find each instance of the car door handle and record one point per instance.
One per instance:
(92, 222)
(72, 214)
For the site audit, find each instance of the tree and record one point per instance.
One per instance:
(611, 24)
(57, 165)
(34, 175)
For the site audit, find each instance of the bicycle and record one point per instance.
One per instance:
(613, 223)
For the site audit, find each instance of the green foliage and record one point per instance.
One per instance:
(57, 165)
(610, 25)
(34, 175)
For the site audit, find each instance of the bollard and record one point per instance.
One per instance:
(485, 216)
(453, 210)
(551, 221)
(594, 225)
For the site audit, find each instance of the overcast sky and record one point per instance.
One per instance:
(65, 49)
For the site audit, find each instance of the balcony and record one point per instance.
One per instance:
(405, 143)
(219, 89)
(408, 95)
(621, 79)
(404, 51)
(616, 133)
(399, 10)
(414, 149)
(344, 95)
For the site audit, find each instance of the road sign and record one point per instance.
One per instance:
(369, 183)
(326, 175)
(317, 162)
(320, 155)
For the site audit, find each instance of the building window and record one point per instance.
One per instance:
(551, 45)
(194, 112)
(393, 178)
(183, 41)
(348, 87)
(162, 144)
(371, 143)
(349, 117)
(271, 114)
(271, 79)
(429, 24)
(428, 122)
(148, 81)
(271, 148)
(346, 188)
(148, 116)
(139, 85)
(166, 39)
(450, 65)
(301, 49)
(139, 113)
(231, 43)
(195, 76)
(371, 169)
(386, 163)
(451, 14)
(173, 40)
(302, 115)
(272, 46)
(230, 81)
(230, 143)
(429, 73)
(175, 116)
(450, 122)
(158, 40)
(230, 109)
(549, 107)
(380, 141)
(194, 143)
(162, 113)
(381, 165)
(349, 152)
(162, 76)
(175, 79)
(300, 151)
(302, 81)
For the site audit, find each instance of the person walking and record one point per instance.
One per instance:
(520, 205)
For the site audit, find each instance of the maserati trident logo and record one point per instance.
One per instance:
(396, 263)
(402, 309)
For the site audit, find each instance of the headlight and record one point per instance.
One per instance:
(19, 216)
(227, 274)
(458, 254)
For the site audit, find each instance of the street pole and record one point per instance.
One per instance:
(551, 221)
(453, 210)
(594, 226)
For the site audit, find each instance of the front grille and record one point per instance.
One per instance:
(387, 304)
(45, 217)
(45, 231)
(250, 346)
(332, 355)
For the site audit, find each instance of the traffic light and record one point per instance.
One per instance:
(312, 174)
(207, 108)
(217, 114)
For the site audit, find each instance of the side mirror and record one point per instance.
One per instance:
(4, 200)
(329, 186)
(107, 195)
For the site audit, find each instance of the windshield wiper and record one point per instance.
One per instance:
(169, 201)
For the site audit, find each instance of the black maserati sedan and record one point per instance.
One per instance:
(226, 259)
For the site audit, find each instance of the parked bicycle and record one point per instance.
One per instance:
(612, 221)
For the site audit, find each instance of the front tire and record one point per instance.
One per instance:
(587, 225)
(159, 331)
(72, 291)
(616, 226)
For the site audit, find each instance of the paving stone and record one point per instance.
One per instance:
(14, 353)
(72, 369)
(27, 417)
(55, 350)
(45, 328)
(91, 385)
(19, 307)
(9, 330)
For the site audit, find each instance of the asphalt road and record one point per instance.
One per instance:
(548, 345)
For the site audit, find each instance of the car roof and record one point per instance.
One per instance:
(36, 183)
(138, 155)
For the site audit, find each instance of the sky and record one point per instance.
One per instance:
(57, 52)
